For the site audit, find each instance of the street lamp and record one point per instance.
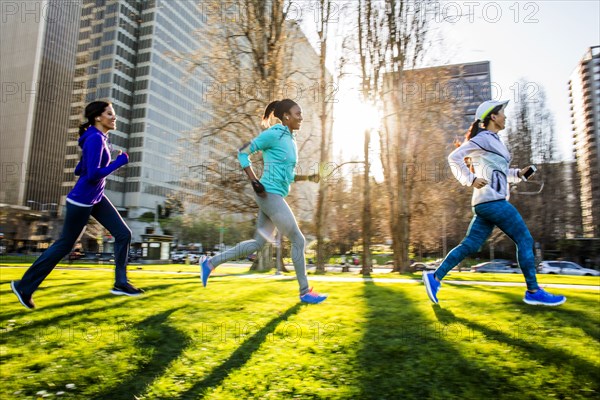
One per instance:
(42, 206)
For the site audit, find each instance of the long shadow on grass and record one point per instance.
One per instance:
(575, 318)
(165, 343)
(405, 354)
(32, 330)
(585, 370)
(82, 301)
(239, 357)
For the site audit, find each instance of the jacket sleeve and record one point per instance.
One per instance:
(263, 141)
(92, 155)
(513, 175)
(459, 168)
(78, 169)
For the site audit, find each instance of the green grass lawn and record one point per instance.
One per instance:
(245, 338)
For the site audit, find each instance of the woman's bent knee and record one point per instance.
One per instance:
(124, 235)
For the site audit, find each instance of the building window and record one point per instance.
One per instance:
(145, 57)
(108, 36)
(106, 50)
(141, 85)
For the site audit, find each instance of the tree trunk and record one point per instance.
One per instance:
(322, 194)
(404, 235)
(320, 214)
(320, 217)
(367, 263)
(265, 258)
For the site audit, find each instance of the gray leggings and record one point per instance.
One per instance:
(273, 213)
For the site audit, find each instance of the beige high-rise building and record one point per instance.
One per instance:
(37, 59)
(584, 93)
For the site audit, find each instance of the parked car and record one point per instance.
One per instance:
(497, 267)
(419, 266)
(194, 257)
(502, 261)
(109, 257)
(134, 255)
(565, 268)
(178, 257)
(76, 255)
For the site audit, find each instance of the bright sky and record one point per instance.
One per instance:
(539, 41)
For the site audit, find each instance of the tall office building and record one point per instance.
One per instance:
(584, 93)
(464, 86)
(37, 60)
(123, 56)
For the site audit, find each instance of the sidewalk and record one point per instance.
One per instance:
(324, 278)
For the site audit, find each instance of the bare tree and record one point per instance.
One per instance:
(249, 57)
(394, 41)
(248, 60)
(371, 52)
(549, 210)
(323, 27)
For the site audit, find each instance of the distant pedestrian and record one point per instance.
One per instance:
(489, 174)
(84, 200)
(280, 155)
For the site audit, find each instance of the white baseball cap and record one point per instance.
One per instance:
(487, 106)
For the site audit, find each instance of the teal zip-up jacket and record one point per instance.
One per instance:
(280, 156)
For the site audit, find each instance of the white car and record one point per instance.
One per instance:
(183, 256)
(194, 257)
(565, 268)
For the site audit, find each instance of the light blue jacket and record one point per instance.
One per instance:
(280, 156)
(490, 159)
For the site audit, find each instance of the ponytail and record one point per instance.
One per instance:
(83, 127)
(473, 130)
(268, 119)
(275, 110)
(471, 133)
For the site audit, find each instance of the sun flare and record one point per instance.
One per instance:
(352, 118)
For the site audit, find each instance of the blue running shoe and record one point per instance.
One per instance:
(543, 298)
(431, 285)
(312, 297)
(205, 269)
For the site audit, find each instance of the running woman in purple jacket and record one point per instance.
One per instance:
(84, 200)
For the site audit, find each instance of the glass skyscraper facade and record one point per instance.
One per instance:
(584, 93)
(125, 55)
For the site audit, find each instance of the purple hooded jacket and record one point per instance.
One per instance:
(94, 167)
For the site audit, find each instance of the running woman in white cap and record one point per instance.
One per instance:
(489, 175)
(280, 155)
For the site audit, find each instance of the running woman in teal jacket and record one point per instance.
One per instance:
(280, 156)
